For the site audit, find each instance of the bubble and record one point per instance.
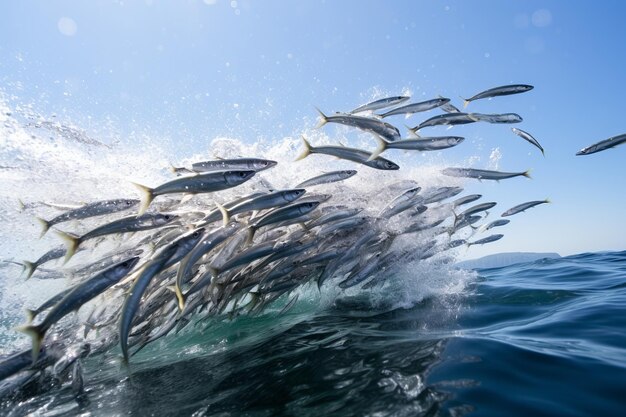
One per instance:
(487, 55)
(542, 18)
(210, 2)
(233, 4)
(67, 26)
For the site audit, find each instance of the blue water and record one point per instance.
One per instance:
(533, 339)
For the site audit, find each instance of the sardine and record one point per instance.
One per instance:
(367, 124)
(380, 104)
(327, 178)
(603, 145)
(416, 107)
(504, 90)
(528, 138)
(350, 154)
(523, 207)
(483, 174)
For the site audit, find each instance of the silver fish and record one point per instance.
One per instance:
(367, 124)
(528, 138)
(30, 267)
(401, 203)
(216, 214)
(448, 119)
(127, 224)
(475, 209)
(254, 164)
(262, 202)
(488, 239)
(419, 144)
(523, 207)
(496, 118)
(483, 174)
(361, 274)
(98, 208)
(75, 298)
(333, 216)
(495, 223)
(380, 104)
(351, 154)
(504, 90)
(281, 214)
(417, 107)
(466, 199)
(201, 183)
(327, 178)
(435, 195)
(603, 145)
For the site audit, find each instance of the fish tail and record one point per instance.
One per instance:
(29, 268)
(527, 174)
(30, 315)
(45, 225)
(251, 232)
(547, 200)
(466, 102)
(37, 335)
(307, 149)
(71, 243)
(413, 131)
(225, 214)
(323, 120)
(172, 168)
(146, 197)
(20, 205)
(382, 145)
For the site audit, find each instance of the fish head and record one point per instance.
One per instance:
(413, 192)
(192, 238)
(163, 219)
(455, 140)
(348, 173)
(265, 164)
(122, 269)
(238, 177)
(308, 207)
(588, 150)
(386, 165)
(291, 195)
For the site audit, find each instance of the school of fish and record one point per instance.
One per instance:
(180, 265)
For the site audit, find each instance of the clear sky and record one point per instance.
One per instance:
(193, 70)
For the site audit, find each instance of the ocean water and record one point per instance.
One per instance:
(541, 338)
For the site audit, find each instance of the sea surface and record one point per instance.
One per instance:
(532, 339)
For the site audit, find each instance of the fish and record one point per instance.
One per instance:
(420, 144)
(456, 243)
(495, 223)
(448, 119)
(281, 214)
(504, 90)
(75, 298)
(201, 183)
(350, 154)
(245, 164)
(417, 107)
(496, 118)
(216, 214)
(528, 138)
(262, 202)
(367, 124)
(435, 195)
(361, 274)
(474, 210)
(603, 145)
(30, 267)
(167, 257)
(523, 207)
(98, 208)
(333, 216)
(52, 301)
(246, 256)
(380, 104)
(488, 239)
(125, 225)
(466, 199)
(483, 174)
(404, 201)
(327, 178)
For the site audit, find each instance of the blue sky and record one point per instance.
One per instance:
(194, 70)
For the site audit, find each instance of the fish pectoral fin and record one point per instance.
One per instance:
(186, 198)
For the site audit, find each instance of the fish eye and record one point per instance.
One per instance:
(166, 217)
(129, 203)
(242, 174)
(196, 234)
(126, 264)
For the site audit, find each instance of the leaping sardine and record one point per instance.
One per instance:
(262, 202)
(448, 119)
(380, 104)
(488, 239)
(466, 199)
(504, 90)
(528, 138)
(416, 107)
(74, 299)
(127, 224)
(367, 124)
(496, 118)
(195, 184)
(419, 144)
(237, 164)
(483, 174)
(350, 154)
(603, 145)
(495, 223)
(327, 178)
(285, 213)
(98, 208)
(523, 207)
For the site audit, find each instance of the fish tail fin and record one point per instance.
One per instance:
(307, 149)
(382, 145)
(323, 120)
(225, 213)
(179, 295)
(29, 268)
(547, 200)
(146, 197)
(527, 174)
(30, 315)
(45, 225)
(37, 335)
(71, 243)
(172, 168)
(466, 102)
(20, 205)
(412, 131)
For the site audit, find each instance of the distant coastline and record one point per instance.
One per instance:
(504, 259)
